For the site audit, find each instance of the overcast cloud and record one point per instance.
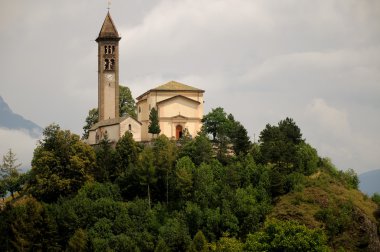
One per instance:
(315, 61)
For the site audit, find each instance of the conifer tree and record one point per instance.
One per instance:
(154, 126)
(9, 172)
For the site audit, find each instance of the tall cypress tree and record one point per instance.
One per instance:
(154, 126)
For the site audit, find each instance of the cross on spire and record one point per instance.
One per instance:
(109, 5)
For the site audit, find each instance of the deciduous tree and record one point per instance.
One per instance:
(61, 164)
(286, 236)
(127, 105)
(165, 152)
(147, 171)
(91, 119)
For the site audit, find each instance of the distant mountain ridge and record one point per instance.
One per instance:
(370, 182)
(13, 121)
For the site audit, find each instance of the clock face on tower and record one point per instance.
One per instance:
(110, 77)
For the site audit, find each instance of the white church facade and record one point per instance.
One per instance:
(179, 106)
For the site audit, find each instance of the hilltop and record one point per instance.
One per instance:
(214, 192)
(325, 201)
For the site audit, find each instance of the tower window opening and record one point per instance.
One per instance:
(106, 64)
(110, 50)
(113, 49)
(112, 64)
(139, 109)
(106, 49)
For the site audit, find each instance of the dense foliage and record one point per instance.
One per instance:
(196, 194)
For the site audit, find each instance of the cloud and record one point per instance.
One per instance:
(331, 131)
(21, 144)
(329, 119)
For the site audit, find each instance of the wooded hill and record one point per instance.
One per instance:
(275, 195)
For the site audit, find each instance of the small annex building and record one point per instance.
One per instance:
(179, 106)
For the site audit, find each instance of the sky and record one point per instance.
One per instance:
(317, 62)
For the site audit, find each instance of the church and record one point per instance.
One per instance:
(179, 106)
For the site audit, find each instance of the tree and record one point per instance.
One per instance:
(184, 171)
(61, 164)
(126, 153)
(350, 178)
(9, 173)
(286, 236)
(227, 133)
(28, 227)
(229, 244)
(199, 243)
(165, 153)
(91, 119)
(154, 126)
(278, 144)
(78, 242)
(147, 171)
(215, 122)
(239, 137)
(290, 130)
(198, 149)
(105, 160)
(127, 105)
(3, 189)
(175, 234)
(306, 159)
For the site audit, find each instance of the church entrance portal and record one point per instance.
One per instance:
(178, 130)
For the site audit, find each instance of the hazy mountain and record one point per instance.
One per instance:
(370, 182)
(13, 121)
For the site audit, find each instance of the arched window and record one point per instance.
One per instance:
(112, 64)
(139, 109)
(130, 127)
(106, 64)
(113, 49)
(106, 49)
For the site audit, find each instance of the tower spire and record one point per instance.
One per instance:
(108, 30)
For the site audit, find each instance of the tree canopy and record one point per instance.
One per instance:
(61, 165)
(227, 133)
(127, 105)
(183, 195)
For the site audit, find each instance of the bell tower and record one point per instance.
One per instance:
(108, 70)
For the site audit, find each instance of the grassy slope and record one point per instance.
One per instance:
(322, 191)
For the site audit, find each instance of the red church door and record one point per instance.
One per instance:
(178, 132)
